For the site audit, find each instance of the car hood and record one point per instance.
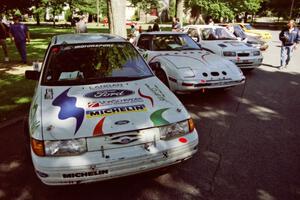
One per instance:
(234, 46)
(99, 109)
(196, 59)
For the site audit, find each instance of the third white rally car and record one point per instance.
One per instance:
(99, 113)
(183, 65)
(222, 42)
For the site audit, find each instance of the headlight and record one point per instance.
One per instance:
(176, 129)
(186, 73)
(229, 53)
(65, 147)
(256, 53)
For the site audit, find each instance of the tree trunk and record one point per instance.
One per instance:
(37, 16)
(179, 10)
(117, 17)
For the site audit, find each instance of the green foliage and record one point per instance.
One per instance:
(68, 15)
(223, 8)
(145, 5)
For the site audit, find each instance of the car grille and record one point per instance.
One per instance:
(243, 54)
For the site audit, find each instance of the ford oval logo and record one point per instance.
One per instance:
(109, 93)
(121, 122)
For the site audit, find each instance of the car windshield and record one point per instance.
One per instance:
(94, 63)
(217, 34)
(174, 42)
(238, 32)
(248, 27)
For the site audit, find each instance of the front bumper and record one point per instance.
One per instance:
(113, 163)
(245, 62)
(211, 84)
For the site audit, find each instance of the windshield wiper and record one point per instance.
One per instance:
(190, 48)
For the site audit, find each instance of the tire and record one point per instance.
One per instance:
(161, 75)
(26, 140)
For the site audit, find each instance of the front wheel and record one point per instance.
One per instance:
(26, 140)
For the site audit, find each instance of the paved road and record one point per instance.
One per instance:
(249, 148)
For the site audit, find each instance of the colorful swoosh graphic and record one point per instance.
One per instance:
(98, 130)
(157, 118)
(146, 96)
(68, 108)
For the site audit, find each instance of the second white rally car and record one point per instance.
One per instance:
(100, 113)
(222, 42)
(183, 65)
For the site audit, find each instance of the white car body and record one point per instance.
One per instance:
(242, 54)
(115, 127)
(190, 70)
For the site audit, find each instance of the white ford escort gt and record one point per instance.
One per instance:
(99, 113)
(183, 66)
(222, 42)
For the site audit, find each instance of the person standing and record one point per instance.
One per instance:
(290, 38)
(155, 27)
(176, 26)
(19, 34)
(3, 34)
(81, 26)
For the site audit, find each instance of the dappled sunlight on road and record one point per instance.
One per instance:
(167, 180)
(8, 167)
(263, 113)
(264, 195)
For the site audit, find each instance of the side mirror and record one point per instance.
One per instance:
(155, 66)
(32, 75)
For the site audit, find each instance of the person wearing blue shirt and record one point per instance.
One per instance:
(290, 37)
(20, 34)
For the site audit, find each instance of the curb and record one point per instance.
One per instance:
(10, 122)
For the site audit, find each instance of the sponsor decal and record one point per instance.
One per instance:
(96, 104)
(49, 93)
(34, 124)
(98, 130)
(107, 86)
(109, 93)
(85, 174)
(115, 110)
(145, 96)
(157, 118)
(157, 92)
(68, 108)
(121, 122)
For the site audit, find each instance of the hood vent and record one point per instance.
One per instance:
(215, 73)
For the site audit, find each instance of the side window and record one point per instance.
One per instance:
(144, 42)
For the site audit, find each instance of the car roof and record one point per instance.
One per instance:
(203, 26)
(163, 33)
(85, 38)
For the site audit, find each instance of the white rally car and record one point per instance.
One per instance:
(99, 113)
(220, 41)
(182, 65)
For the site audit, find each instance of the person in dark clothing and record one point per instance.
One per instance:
(155, 27)
(20, 34)
(3, 34)
(290, 37)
